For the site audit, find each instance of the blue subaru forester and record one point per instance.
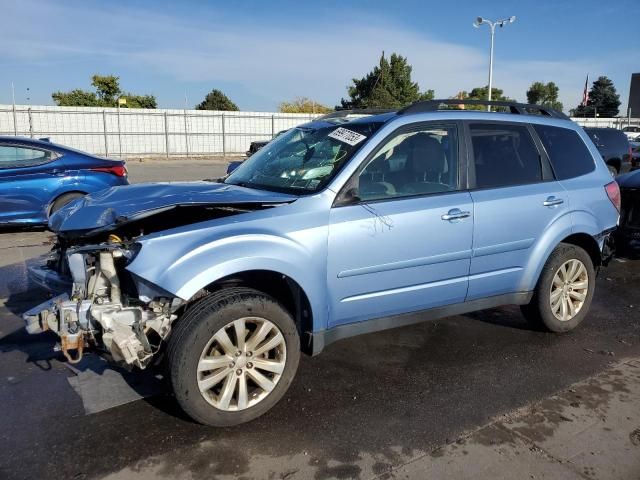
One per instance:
(349, 224)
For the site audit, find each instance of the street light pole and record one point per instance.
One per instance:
(493, 32)
(492, 28)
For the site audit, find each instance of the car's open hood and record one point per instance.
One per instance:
(122, 205)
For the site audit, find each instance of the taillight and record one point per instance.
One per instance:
(117, 170)
(613, 192)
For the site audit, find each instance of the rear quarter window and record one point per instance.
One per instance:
(569, 155)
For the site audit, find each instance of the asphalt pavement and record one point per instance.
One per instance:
(405, 403)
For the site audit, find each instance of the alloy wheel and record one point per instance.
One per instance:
(241, 364)
(569, 289)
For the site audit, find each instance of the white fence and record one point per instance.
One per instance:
(619, 122)
(136, 132)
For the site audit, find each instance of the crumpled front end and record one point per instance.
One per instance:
(105, 307)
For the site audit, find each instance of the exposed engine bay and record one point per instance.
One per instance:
(108, 308)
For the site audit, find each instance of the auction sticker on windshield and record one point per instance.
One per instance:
(347, 136)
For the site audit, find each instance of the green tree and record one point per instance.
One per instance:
(388, 85)
(544, 94)
(107, 88)
(303, 105)
(480, 93)
(216, 100)
(603, 100)
(140, 101)
(75, 98)
(106, 95)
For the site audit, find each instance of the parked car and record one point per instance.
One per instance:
(628, 234)
(38, 177)
(334, 229)
(632, 132)
(635, 155)
(258, 144)
(614, 147)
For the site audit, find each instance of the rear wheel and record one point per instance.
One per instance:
(63, 200)
(233, 356)
(564, 291)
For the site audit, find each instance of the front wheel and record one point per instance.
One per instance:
(233, 356)
(564, 291)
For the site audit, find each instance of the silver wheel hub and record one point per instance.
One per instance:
(241, 363)
(569, 290)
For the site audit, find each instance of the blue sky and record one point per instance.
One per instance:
(261, 53)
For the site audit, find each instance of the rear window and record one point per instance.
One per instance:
(569, 155)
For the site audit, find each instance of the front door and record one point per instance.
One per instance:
(400, 235)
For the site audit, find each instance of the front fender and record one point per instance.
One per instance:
(188, 270)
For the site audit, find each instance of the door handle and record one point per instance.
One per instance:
(58, 172)
(455, 214)
(552, 201)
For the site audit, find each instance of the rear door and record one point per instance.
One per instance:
(404, 244)
(515, 198)
(28, 176)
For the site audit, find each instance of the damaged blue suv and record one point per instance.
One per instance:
(353, 223)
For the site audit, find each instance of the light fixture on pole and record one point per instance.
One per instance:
(492, 27)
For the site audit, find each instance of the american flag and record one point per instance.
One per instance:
(585, 93)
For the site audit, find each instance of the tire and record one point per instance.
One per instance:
(613, 170)
(540, 313)
(196, 337)
(64, 199)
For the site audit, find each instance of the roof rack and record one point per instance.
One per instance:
(517, 108)
(360, 111)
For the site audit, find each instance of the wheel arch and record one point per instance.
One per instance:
(284, 289)
(61, 194)
(588, 243)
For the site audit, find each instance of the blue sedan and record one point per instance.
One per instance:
(38, 177)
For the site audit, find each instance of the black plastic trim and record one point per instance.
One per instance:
(321, 339)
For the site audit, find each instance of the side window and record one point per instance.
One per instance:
(419, 161)
(16, 157)
(504, 155)
(569, 156)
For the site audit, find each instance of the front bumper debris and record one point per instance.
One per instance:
(129, 324)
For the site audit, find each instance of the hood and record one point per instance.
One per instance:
(629, 180)
(124, 204)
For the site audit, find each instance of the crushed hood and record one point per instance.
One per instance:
(123, 204)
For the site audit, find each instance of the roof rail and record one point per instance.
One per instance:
(357, 111)
(517, 108)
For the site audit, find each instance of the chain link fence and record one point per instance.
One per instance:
(114, 132)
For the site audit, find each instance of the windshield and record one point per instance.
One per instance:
(304, 159)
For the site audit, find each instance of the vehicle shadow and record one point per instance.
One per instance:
(508, 316)
(22, 229)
